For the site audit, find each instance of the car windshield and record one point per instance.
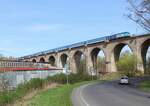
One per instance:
(124, 78)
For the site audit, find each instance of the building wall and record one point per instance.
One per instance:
(10, 80)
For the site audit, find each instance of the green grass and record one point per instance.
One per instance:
(37, 84)
(8, 97)
(60, 96)
(145, 85)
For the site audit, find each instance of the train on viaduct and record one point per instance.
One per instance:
(110, 45)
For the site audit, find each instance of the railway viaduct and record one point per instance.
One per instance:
(111, 48)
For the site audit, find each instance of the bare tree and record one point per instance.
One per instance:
(140, 12)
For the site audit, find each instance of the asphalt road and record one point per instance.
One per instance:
(109, 94)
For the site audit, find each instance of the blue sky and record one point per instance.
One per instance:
(29, 26)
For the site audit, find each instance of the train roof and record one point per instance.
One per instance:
(75, 45)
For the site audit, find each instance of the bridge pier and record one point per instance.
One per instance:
(89, 64)
(137, 52)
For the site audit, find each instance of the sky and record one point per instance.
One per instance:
(30, 26)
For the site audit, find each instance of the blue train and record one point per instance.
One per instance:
(88, 42)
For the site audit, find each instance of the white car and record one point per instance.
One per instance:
(124, 80)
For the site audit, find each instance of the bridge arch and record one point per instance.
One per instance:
(98, 58)
(52, 60)
(34, 60)
(116, 54)
(145, 54)
(42, 60)
(64, 60)
(118, 49)
(79, 61)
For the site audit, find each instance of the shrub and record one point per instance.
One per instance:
(72, 78)
(127, 65)
(59, 78)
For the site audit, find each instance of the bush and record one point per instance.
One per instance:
(127, 65)
(59, 78)
(145, 85)
(72, 78)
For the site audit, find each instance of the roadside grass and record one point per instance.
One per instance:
(145, 86)
(59, 96)
(9, 97)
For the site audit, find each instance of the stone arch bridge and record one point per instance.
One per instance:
(71, 54)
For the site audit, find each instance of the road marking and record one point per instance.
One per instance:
(82, 99)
